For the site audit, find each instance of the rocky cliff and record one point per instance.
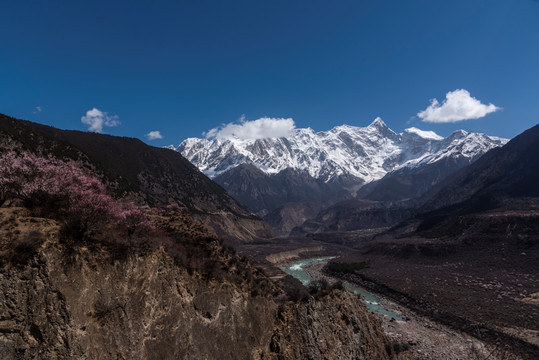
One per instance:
(334, 327)
(63, 301)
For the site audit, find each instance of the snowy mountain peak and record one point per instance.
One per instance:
(366, 153)
(378, 123)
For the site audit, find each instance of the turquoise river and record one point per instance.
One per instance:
(297, 270)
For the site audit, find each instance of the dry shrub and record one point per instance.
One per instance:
(22, 248)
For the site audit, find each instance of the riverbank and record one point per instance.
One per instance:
(421, 337)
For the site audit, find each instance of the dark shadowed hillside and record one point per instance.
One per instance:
(285, 199)
(410, 183)
(502, 174)
(355, 214)
(131, 168)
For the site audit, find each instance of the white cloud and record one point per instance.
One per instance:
(37, 110)
(96, 119)
(154, 135)
(253, 129)
(457, 106)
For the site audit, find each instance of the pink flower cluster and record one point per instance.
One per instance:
(22, 175)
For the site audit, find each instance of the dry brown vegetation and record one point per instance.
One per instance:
(21, 235)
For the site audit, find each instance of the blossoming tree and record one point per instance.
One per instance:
(22, 175)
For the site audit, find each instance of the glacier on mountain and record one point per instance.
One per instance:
(367, 153)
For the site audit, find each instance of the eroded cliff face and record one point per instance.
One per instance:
(334, 327)
(85, 302)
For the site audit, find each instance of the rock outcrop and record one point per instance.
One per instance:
(334, 327)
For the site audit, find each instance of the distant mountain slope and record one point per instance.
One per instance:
(132, 168)
(285, 199)
(500, 177)
(416, 177)
(352, 215)
(260, 191)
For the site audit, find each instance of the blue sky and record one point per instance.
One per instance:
(185, 67)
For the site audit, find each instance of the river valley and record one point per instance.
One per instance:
(415, 336)
(301, 270)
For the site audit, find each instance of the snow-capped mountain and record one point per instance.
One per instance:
(288, 180)
(366, 153)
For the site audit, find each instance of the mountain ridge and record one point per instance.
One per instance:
(367, 153)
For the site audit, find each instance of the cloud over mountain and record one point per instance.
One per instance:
(96, 119)
(458, 105)
(253, 129)
(154, 135)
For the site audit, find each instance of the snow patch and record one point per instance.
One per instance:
(424, 134)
